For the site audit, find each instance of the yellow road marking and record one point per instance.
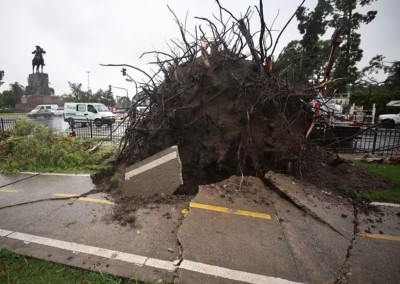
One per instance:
(94, 200)
(8, 190)
(379, 236)
(231, 211)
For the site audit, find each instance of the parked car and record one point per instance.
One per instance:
(389, 120)
(47, 111)
(59, 111)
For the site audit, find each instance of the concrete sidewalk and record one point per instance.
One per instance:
(235, 231)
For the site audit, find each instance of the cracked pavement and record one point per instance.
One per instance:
(284, 232)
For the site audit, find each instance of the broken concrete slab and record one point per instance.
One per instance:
(158, 174)
(215, 234)
(372, 261)
(338, 213)
(319, 252)
(375, 256)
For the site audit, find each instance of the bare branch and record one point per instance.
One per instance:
(138, 69)
(291, 18)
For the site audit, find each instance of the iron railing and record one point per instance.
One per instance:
(375, 141)
(82, 128)
(86, 128)
(378, 141)
(360, 140)
(7, 124)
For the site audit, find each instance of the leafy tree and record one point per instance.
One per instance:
(313, 24)
(343, 16)
(378, 65)
(370, 91)
(9, 98)
(348, 20)
(393, 79)
(123, 102)
(298, 65)
(104, 97)
(1, 77)
(78, 95)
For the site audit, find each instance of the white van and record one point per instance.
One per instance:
(47, 111)
(97, 112)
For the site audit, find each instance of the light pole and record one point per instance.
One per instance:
(129, 79)
(88, 81)
(120, 89)
(127, 97)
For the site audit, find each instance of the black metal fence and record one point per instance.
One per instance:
(378, 141)
(359, 140)
(375, 141)
(7, 124)
(82, 128)
(88, 129)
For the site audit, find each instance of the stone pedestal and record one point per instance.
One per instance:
(37, 92)
(38, 84)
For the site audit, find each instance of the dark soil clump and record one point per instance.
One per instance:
(126, 206)
(317, 169)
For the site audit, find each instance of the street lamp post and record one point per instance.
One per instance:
(120, 89)
(88, 81)
(129, 79)
(127, 97)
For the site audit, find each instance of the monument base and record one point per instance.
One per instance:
(37, 93)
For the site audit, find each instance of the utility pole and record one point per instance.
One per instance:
(88, 81)
(127, 96)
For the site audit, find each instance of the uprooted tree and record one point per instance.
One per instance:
(217, 97)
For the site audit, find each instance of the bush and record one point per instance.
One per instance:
(34, 147)
(6, 110)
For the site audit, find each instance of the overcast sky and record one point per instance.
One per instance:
(79, 35)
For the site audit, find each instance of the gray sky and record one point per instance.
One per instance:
(78, 35)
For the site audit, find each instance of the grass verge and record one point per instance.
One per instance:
(15, 268)
(13, 114)
(388, 172)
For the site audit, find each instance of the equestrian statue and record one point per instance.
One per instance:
(38, 59)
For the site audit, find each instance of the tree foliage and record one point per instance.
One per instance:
(300, 66)
(9, 98)
(343, 16)
(370, 91)
(123, 102)
(1, 77)
(78, 95)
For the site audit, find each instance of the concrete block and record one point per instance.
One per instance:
(160, 173)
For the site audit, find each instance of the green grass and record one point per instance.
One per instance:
(15, 268)
(12, 114)
(387, 172)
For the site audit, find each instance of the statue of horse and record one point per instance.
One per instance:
(38, 59)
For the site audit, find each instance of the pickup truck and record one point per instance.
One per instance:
(389, 120)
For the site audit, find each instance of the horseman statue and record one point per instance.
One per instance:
(38, 59)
